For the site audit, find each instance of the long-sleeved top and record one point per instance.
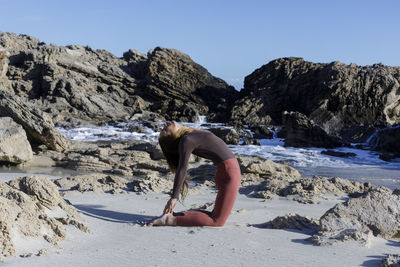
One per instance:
(203, 144)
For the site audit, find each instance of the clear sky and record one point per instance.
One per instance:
(230, 38)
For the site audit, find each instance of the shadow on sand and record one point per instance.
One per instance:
(97, 212)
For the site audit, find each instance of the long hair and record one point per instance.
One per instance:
(170, 148)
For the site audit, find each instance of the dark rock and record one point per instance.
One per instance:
(262, 132)
(338, 153)
(229, 136)
(386, 140)
(334, 95)
(254, 142)
(361, 133)
(152, 125)
(302, 132)
(388, 156)
(182, 88)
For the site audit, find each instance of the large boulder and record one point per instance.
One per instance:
(184, 89)
(14, 145)
(38, 126)
(303, 132)
(334, 95)
(376, 213)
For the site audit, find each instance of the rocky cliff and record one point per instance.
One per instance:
(76, 83)
(335, 96)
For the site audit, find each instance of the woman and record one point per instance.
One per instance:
(177, 143)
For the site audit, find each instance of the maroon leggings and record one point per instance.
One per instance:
(227, 180)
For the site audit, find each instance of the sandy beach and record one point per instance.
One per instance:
(119, 236)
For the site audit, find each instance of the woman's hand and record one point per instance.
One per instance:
(169, 208)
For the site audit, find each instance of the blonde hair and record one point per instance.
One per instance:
(170, 148)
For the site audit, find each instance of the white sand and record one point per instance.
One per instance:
(118, 239)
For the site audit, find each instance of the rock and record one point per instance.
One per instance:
(98, 183)
(152, 184)
(391, 261)
(27, 208)
(14, 145)
(376, 213)
(80, 83)
(388, 156)
(4, 82)
(265, 179)
(291, 221)
(152, 148)
(302, 132)
(229, 136)
(184, 89)
(338, 153)
(3, 62)
(386, 140)
(254, 142)
(265, 168)
(361, 133)
(38, 126)
(335, 95)
(262, 132)
(310, 190)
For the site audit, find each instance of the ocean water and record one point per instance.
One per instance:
(364, 167)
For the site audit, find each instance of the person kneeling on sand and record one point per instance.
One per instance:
(178, 143)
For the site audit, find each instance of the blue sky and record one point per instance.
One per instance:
(229, 38)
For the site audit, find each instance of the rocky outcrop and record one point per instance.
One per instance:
(97, 183)
(386, 140)
(291, 221)
(76, 83)
(230, 136)
(37, 124)
(14, 145)
(262, 178)
(27, 208)
(334, 95)
(302, 132)
(376, 213)
(183, 89)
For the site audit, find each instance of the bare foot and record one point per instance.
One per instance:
(165, 220)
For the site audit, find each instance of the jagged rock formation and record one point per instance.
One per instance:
(376, 213)
(302, 132)
(76, 83)
(28, 207)
(184, 89)
(14, 145)
(333, 95)
(37, 124)
(386, 140)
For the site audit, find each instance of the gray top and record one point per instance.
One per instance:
(203, 144)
